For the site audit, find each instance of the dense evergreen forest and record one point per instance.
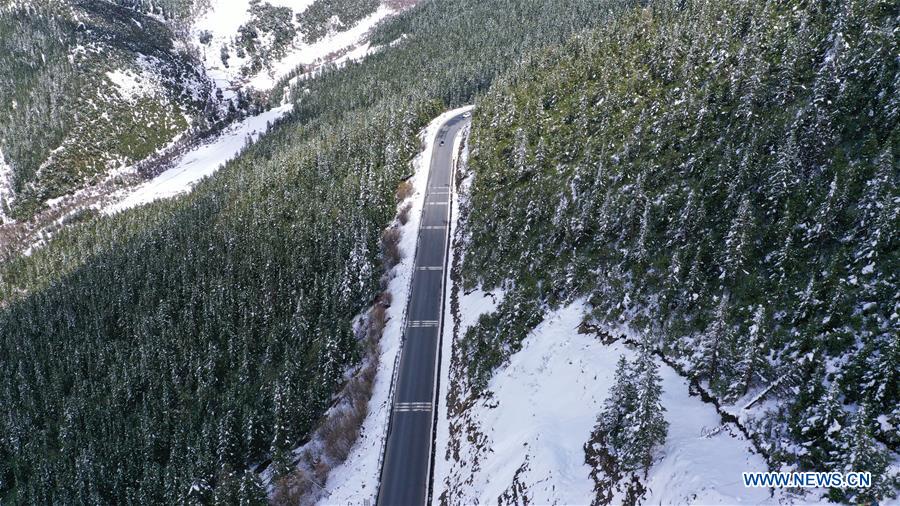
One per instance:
(722, 177)
(63, 120)
(157, 355)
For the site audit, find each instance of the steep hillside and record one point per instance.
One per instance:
(88, 87)
(722, 178)
(172, 350)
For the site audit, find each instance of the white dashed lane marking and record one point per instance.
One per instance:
(423, 323)
(412, 406)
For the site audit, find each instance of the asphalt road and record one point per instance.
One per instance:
(406, 471)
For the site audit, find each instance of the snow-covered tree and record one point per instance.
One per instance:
(865, 454)
(646, 426)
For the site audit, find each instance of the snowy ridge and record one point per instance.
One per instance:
(336, 42)
(222, 21)
(356, 480)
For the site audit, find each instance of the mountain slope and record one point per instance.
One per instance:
(88, 87)
(187, 343)
(721, 177)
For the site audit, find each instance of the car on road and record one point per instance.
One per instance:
(467, 115)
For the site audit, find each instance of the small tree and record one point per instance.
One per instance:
(646, 425)
(821, 430)
(621, 401)
(252, 492)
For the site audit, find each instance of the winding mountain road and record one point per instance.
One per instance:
(407, 467)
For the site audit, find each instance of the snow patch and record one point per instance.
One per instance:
(220, 24)
(131, 84)
(544, 407)
(306, 54)
(200, 162)
(6, 188)
(356, 479)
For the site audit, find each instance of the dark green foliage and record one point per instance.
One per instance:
(269, 22)
(691, 162)
(316, 20)
(632, 423)
(498, 335)
(62, 120)
(142, 353)
(864, 454)
(629, 430)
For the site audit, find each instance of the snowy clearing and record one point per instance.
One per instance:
(222, 21)
(131, 85)
(356, 480)
(305, 54)
(544, 406)
(200, 162)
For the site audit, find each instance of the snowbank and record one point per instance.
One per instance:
(356, 480)
(132, 85)
(544, 406)
(200, 162)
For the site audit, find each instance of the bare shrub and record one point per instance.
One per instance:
(403, 215)
(292, 488)
(377, 321)
(404, 190)
(390, 245)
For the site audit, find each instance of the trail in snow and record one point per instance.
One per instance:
(6, 191)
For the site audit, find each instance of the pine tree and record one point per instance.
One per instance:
(619, 403)
(712, 343)
(821, 431)
(646, 425)
(252, 492)
(752, 358)
(866, 455)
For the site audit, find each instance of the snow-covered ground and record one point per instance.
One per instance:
(544, 406)
(356, 480)
(6, 192)
(200, 162)
(141, 81)
(532, 430)
(334, 43)
(223, 19)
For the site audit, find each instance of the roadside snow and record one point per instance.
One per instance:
(200, 162)
(544, 406)
(356, 480)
